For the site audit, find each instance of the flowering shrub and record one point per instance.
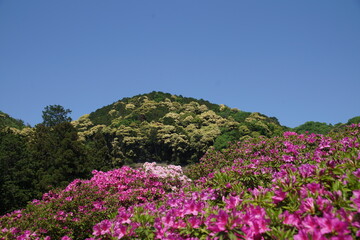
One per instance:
(73, 212)
(170, 172)
(292, 187)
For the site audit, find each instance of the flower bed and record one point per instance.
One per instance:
(290, 187)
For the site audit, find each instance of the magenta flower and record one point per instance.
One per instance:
(310, 224)
(14, 230)
(66, 238)
(308, 205)
(279, 196)
(102, 228)
(256, 220)
(291, 219)
(217, 223)
(194, 222)
(333, 225)
(193, 207)
(304, 235)
(357, 172)
(232, 202)
(168, 220)
(123, 216)
(119, 230)
(356, 199)
(324, 204)
(287, 158)
(287, 134)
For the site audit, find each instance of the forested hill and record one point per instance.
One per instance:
(6, 120)
(168, 128)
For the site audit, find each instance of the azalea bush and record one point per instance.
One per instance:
(73, 211)
(297, 186)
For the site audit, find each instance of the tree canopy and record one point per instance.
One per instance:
(55, 114)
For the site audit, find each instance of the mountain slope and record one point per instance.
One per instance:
(7, 121)
(168, 128)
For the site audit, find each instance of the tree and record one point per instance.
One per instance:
(55, 114)
(354, 120)
(57, 156)
(314, 127)
(7, 121)
(15, 187)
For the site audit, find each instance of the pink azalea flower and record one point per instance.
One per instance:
(308, 205)
(232, 202)
(66, 238)
(179, 224)
(220, 222)
(310, 224)
(287, 134)
(194, 222)
(287, 158)
(279, 196)
(357, 173)
(291, 219)
(332, 225)
(119, 230)
(356, 199)
(168, 220)
(14, 230)
(313, 187)
(193, 207)
(102, 228)
(324, 204)
(304, 235)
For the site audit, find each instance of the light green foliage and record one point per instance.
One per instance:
(7, 121)
(174, 129)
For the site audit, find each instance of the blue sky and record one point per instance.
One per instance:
(296, 60)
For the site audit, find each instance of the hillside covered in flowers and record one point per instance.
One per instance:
(294, 186)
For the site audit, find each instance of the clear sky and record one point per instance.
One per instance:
(296, 60)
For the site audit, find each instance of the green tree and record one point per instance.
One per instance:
(15, 187)
(314, 127)
(55, 114)
(354, 120)
(57, 156)
(98, 150)
(7, 121)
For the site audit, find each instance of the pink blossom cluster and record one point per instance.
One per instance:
(189, 214)
(85, 201)
(167, 171)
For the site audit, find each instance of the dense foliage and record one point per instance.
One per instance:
(166, 128)
(36, 160)
(294, 186)
(314, 127)
(49, 155)
(323, 128)
(7, 121)
(54, 115)
(354, 120)
(14, 185)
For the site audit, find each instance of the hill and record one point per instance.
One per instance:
(167, 128)
(7, 121)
